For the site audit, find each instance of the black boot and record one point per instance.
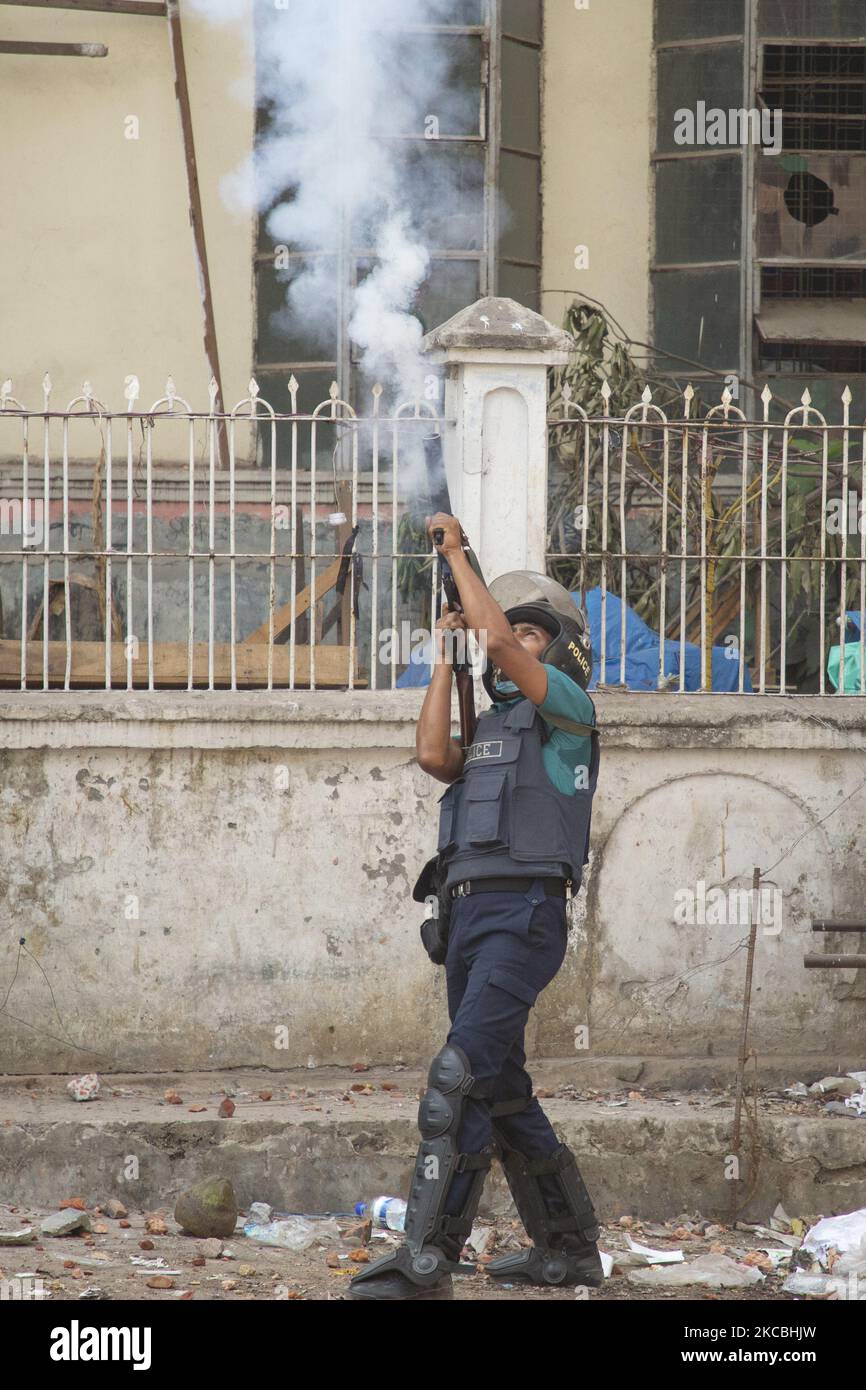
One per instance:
(558, 1215)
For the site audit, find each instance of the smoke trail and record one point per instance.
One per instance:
(341, 83)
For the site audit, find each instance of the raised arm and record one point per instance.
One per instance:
(486, 619)
(437, 752)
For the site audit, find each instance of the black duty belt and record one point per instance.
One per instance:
(553, 887)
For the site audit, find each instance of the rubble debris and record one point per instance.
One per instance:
(84, 1087)
(643, 1255)
(208, 1209)
(834, 1085)
(115, 1209)
(814, 1285)
(710, 1271)
(360, 1233)
(292, 1232)
(65, 1223)
(211, 1249)
(481, 1239)
(226, 1109)
(838, 1243)
(25, 1236)
(839, 1107)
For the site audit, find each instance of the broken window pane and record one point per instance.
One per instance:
(521, 97)
(697, 316)
(522, 18)
(520, 282)
(698, 209)
(520, 217)
(297, 310)
(811, 19)
(686, 76)
(697, 19)
(449, 198)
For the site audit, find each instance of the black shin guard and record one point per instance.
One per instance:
(557, 1213)
(434, 1240)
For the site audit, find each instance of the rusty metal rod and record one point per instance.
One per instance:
(196, 217)
(53, 50)
(744, 1031)
(147, 7)
(834, 962)
(819, 924)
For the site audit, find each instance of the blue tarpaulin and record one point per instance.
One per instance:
(852, 673)
(641, 654)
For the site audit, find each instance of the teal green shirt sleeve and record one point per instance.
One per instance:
(566, 699)
(567, 757)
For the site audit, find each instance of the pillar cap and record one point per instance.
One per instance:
(498, 323)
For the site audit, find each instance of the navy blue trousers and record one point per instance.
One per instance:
(503, 950)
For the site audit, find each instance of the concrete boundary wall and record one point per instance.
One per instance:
(216, 880)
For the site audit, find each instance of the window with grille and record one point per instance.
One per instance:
(489, 146)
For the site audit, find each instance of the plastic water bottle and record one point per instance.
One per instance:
(388, 1213)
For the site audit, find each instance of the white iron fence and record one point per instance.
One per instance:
(175, 548)
(740, 544)
(170, 547)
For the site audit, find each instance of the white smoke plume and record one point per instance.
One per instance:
(340, 82)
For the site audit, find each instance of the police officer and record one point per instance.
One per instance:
(514, 831)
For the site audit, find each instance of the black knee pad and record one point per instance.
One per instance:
(450, 1070)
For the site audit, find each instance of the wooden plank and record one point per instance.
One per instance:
(26, 48)
(284, 617)
(170, 665)
(147, 7)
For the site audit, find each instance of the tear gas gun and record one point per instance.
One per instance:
(440, 501)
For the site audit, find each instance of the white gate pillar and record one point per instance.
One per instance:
(497, 355)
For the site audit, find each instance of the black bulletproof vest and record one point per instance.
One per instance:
(504, 818)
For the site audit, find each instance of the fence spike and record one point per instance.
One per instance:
(605, 389)
(131, 389)
(253, 388)
(171, 392)
(334, 391)
(806, 398)
(5, 392)
(46, 388)
(567, 393)
(646, 395)
(847, 398)
(87, 392)
(726, 396)
(689, 393)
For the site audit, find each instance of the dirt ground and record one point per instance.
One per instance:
(144, 1256)
(102, 1264)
